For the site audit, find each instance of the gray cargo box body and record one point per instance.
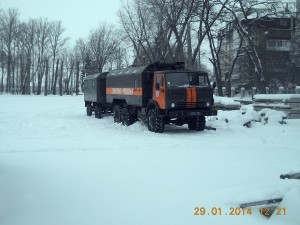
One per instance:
(135, 79)
(95, 88)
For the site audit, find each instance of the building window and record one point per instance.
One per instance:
(278, 45)
(93, 83)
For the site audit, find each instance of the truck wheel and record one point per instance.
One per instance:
(127, 117)
(197, 123)
(117, 114)
(155, 123)
(98, 112)
(89, 110)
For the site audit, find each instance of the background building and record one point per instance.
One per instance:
(277, 42)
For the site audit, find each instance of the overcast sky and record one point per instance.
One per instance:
(78, 17)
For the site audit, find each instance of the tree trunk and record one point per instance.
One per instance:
(22, 77)
(61, 79)
(77, 78)
(72, 80)
(13, 88)
(2, 79)
(28, 77)
(46, 78)
(55, 78)
(39, 82)
(215, 60)
(18, 82)
(228, 84)
(8, 75)
(67, 86)
(189, 48)
(33, 84)
(53, 73)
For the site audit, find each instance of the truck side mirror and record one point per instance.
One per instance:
(214, 85)
(157, 86)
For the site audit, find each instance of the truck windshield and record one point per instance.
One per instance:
(186, 79)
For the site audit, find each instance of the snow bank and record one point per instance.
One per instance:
(58, 166)
(289, 103)
(287, 211)
(278, 97)
(225, 101)
(247, 116)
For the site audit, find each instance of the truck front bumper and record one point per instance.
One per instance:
(191, 112)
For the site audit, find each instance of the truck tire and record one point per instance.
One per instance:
(89, 110)
(118, 114)
(127, 117)
(155, 123)
(98, 112)
(197, 123)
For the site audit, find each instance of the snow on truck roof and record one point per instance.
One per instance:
(141, 69)
(129, 70)
(96, 75)
(92, 76)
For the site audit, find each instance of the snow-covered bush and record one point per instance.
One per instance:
(272, 116)
(247, 116)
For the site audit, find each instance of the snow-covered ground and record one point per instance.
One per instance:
(60, 167)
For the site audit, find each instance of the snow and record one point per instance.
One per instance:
(277, 105)
(225, 101)
(281, 97)
(290, 202)
(58, 166)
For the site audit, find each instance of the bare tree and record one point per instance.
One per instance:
(55, 78)
(147, 30)
(168, 30)
(9, 34)
(69, 78)
(24, 48)
(42, 44)
(133, 28)
(215, 56)
(57, 42)
(60, 84)
(119, 58)
(102, 44)
(2, 62)
(207, 17)
(27, 45)
(46, 77)
(77, 78)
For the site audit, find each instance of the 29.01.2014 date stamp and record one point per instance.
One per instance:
(236, 211)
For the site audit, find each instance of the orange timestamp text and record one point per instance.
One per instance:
(236, 211)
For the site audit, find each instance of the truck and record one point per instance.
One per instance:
(158, 93)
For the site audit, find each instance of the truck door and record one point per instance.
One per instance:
(159, 90)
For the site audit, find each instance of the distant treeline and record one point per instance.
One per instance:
(35, 56)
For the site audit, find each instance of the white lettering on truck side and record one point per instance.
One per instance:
(127, 91)
(116, 91)
(122, 91)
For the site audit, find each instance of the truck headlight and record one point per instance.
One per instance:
(173, 105)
